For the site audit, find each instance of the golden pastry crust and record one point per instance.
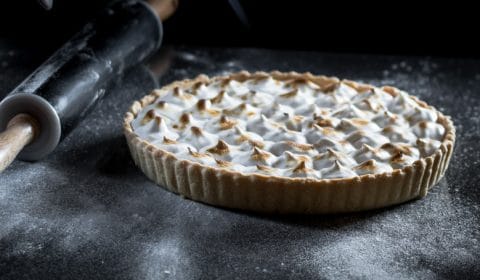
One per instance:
(264, 193)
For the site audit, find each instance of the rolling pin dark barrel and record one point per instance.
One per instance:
(46, 105)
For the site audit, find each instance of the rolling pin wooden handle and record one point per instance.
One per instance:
(21, 130)
(164, 8)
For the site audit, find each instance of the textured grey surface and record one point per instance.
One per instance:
(87, 212)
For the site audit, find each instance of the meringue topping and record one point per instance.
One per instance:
(304, 126)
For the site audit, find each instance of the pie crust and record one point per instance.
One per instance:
(280, 194)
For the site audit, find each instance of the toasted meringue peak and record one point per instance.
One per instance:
(395, 148)
(301, 168)
(330, 87)
(259, 155)
(280, 147)
(223, 163)
(150, 115)
(399, 160)
(289, 94)
(324, 122)
(337, 170)
(155, 127)
(325, 159)
(351, 111)
(349, 125)
(196, 154)
(221, 148)
(266, 169)
(243, 109)
(218, 98)
(169, 141)
(372, 167)
(373, 104)
(196, 131)
(162, 104)
(227, 123)
(427, 146)
(180, 94)
(303, 126)
(203, 105)
(323, 144)
(241, 136)
(367, 152)
(197, 157)
(300, 82)
(185, 118)
(386, 118)
(254, 157)
(360, 137)
(198, 137)
(292, 122)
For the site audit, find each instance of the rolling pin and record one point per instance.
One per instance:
(47, 105)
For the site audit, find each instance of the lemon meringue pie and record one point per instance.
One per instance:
(289, 142)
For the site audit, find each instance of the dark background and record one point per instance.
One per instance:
(88, 212)
(394, 27)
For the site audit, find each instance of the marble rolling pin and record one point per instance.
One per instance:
(39, 112)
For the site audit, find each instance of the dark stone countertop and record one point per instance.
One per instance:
(87, 212)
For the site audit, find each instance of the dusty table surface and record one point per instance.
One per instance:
(86, 211)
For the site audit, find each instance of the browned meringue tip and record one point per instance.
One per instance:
(202, 104)
(290, 156)
(301, 168)
(265, 168)
(359, 121)
(259, 155)
(235, 111)
(260, 76)
(359, 87)
(197, 131)
(218, 98)
(226, 123)
(257, 144)
(289, 94)
(332, 153)
(368, 147)
(372, 106)
(396, 148)
(299, 146)
(197, 85)
(196, 154)
(330, 87)
(161, 105)
(391, 90)
(223, 163)
(322, 122)
(185, 118)
(178, 93)
(370, 164)
(168, 141)
(221, 148)
(151, 115)
(225, 82)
